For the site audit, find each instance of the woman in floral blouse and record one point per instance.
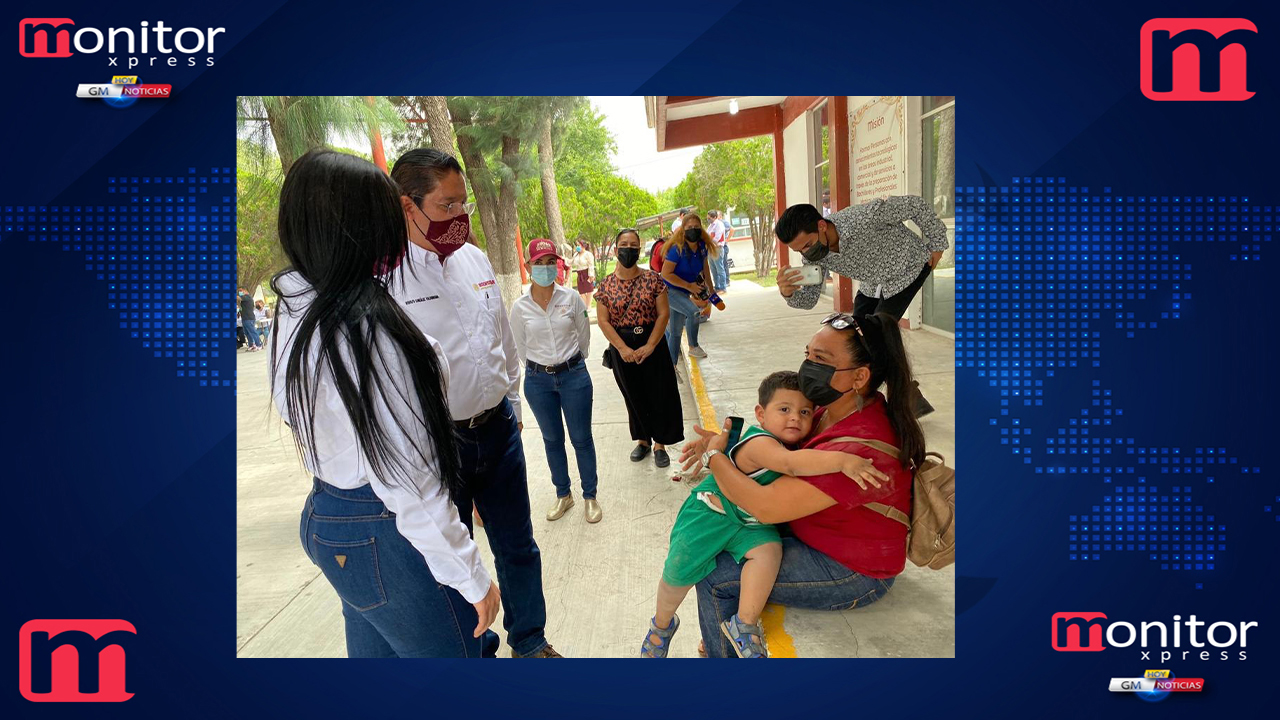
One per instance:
(631, 309)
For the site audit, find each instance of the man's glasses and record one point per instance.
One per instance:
(454, 208)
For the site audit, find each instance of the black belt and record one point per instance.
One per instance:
(633, 330)
(553, 369)
(478, 420)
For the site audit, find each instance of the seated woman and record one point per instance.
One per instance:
(843, 554)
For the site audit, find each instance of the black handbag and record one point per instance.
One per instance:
(607, 360)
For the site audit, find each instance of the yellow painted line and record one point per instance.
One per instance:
(781, 644)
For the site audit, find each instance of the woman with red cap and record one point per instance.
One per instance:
(552, 337)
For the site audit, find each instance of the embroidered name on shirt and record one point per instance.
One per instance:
(421, 299)
(485, 284)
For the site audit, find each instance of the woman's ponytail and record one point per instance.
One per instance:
(890, 366)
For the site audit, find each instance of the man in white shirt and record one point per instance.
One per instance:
(448, 288)
(678, 222)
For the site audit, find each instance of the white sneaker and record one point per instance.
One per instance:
(697, 352)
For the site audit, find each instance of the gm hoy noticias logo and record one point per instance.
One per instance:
(1198, 59)
(75, 660)
(1087, 632)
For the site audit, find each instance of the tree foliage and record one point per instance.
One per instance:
(738, 175)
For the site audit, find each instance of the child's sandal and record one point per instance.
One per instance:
(651, 649)
(747, 639)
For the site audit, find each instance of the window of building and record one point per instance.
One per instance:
(822, 157)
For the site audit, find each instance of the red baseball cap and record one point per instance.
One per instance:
(541, 247)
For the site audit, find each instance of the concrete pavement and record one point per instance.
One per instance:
(599, 580)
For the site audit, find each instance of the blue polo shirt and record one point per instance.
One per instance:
(689, 265)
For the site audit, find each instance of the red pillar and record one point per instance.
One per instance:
(375, 139)
(780, 186)
(838, 116)
(524, 270)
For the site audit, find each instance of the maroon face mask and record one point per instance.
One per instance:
(446, 236)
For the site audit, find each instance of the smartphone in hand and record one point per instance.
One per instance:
(809, 275)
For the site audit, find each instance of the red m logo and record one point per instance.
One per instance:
(1069, 632)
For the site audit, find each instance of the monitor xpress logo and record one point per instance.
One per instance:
(74, 660)
(1084, 632)
(129, 48)
(1198, 59)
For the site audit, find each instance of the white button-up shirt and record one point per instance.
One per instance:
(425, 515)
(459, 304)
(551, 336)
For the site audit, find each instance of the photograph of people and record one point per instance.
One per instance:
(522, 415)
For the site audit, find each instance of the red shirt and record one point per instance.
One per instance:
(861, 539)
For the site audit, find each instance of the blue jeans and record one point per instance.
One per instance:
(807, 579)
(251, 333)
(720, 269)
(493, 467)
(391, 603)
(570, 393)
(684, 315)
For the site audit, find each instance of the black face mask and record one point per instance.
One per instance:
(692, 235)
(628, 257)
(816, 251)
(815, 383)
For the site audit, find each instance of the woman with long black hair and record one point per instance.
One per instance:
(363, 391)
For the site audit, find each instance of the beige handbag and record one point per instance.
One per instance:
(931, 528)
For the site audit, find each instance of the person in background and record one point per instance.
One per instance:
(260, 318)
(678, 222)
(362, 391)
(870, 244)
(241, 338)
(719, 268)
(448, 288)
(728, 235)
(631, 310)
(655, 254)
(583, 266)
(826, 204)
(247, 317)
(553, 337)
(686, 268)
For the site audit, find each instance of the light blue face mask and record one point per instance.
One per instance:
(544, 275)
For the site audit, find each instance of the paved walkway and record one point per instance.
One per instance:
(599, 580)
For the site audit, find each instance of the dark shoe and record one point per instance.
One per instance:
(639, 453)
(546, 652)
(922, 405)
(661, 458)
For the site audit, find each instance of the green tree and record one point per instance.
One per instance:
(294, 124)
(258, 253)
(739, 175)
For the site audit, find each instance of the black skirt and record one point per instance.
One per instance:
(649, 388)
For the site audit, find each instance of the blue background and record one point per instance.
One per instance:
(121, 463)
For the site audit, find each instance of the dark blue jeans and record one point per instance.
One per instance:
(569, 393)
(392, 605)
(493, 467)
(684, 316)
(251, 332)
(807, 579)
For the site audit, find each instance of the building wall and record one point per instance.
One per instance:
(797, 160)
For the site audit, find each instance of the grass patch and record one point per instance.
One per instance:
(770, 280)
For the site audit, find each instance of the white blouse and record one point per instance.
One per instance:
(554, 335)
(425, 515)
